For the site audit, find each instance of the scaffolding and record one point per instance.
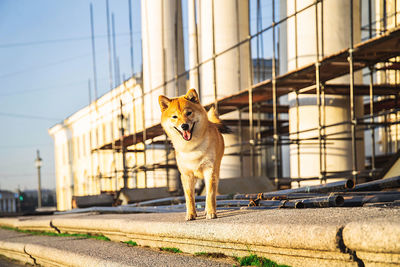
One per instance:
(378, 53)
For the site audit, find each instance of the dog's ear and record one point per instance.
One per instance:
(192, 96)
(164, 102)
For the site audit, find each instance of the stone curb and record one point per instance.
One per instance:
(290, 244)
(45, 256)
(15, 251)
(55, 257)
(283, 236)
(373, 242)
(38, 225)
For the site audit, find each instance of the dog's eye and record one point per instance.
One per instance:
(174, 117)
(189, 113)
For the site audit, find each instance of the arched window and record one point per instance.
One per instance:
(128, 124)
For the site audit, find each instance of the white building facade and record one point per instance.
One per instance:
(82, 168)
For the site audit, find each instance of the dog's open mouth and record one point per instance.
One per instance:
(187, 135)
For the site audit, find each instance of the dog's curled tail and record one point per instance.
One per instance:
(213, 117)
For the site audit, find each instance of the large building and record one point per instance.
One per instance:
(302, 116)
(8, 202)
(82, 168)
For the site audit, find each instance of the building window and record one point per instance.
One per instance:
(70, 150)
(78, 148)
(84, 145)
(90, 137)
(112, 130)
(104, 133)
(74, 152)
(97, 136)
(62, 154)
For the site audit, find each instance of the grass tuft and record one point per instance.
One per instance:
(173, 250)
(131, 243)
(254, 260)
(210, 255)
(45, 233)
(7, 228)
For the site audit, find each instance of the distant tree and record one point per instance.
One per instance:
(28, 203)
(49, 201)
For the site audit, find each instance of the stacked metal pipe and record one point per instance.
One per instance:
(379, 193)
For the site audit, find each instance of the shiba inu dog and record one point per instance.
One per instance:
(199, 146)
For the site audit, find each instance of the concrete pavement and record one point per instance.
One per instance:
(297, 237)
(73, 251)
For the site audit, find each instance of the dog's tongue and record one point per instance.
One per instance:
(186, 135)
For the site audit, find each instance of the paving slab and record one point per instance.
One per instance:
(297, 237)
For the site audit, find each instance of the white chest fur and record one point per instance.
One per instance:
(195, 159)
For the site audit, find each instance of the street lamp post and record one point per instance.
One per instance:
(38, 164)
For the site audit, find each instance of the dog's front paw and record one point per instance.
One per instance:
(211, 216)
(191, 217)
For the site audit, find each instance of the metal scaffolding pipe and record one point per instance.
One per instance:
(295, 204)
(352, 99)
(324, 188)
(93, 52)
(371, 113)
(329, 187)
(193, 47)
(323, 202)
(318, 91)
(359, 201)
(378, 185)
(274, 100)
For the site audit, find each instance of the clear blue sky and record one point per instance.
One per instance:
(45, 64)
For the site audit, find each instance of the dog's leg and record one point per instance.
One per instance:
(188, 183)
(211, 180)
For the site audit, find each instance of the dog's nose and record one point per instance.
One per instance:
(185, 126)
